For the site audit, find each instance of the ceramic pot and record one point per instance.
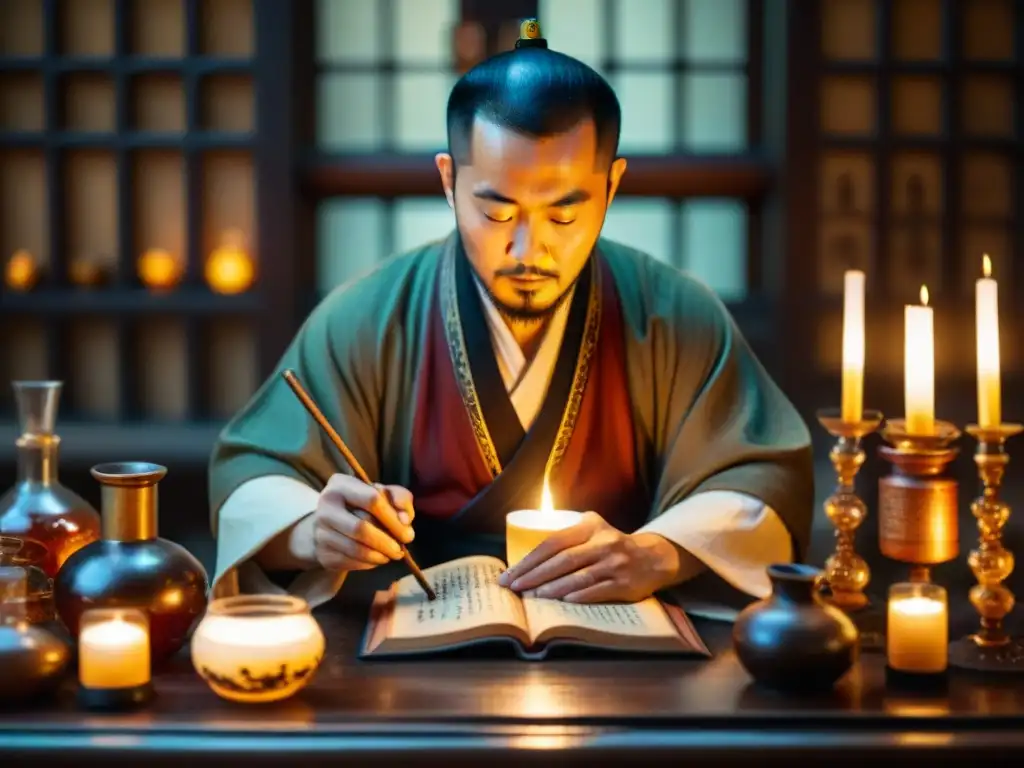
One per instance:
(793, 640)
(131, 567)
(33, 660)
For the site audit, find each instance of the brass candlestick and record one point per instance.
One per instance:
(917, 504)
(845, 571)
(990, 648)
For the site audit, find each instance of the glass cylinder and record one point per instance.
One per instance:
(257, 648)
(917, 637)
(39, 510)
(114, 667)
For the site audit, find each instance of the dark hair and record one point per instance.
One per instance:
(535, 92)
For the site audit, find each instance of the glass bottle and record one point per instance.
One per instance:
(39, 510)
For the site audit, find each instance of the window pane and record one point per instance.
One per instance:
(419, 221)
(847, 184)
(988, 106)
(715, 245)
(421, 99)
(647, 110)
(848, 106)
(916, 185)
(575, 28)
(349, 239)
(643, 224)
(423, 31)
(643, 31)
(715, 30)
(348, 112)
(714, 112)
(917, 105)
(988, 30)
(848, 29)
(348, 31)
(986, 185)
(917, 30)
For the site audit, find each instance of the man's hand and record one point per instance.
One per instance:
(344, 535)
(592, 562)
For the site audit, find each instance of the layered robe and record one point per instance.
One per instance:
(643, 403)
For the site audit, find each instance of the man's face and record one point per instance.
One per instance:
(529, 211)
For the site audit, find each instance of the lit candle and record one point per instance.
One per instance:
(257, 648)
(919, 367)
(917, 636)
(987, 329)
(525, 529)
(853, 346)
(113, 652)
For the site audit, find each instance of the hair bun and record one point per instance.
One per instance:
(529, 35)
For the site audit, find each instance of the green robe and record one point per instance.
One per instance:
(701, 401)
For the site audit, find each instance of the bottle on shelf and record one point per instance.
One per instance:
(45, 515)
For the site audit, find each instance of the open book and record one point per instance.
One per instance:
(472, 608)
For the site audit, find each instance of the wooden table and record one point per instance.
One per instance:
(497, 711)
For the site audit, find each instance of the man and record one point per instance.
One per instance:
(521, 349)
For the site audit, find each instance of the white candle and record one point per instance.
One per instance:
(987, 328)
(113, 653)
(257, 648)
(919, 367)
(853, 346)
(917, 636)
(525, 529)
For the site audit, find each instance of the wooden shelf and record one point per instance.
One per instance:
(192, 141)
(675, 176)
(82, 442)
(132, 302)
(195, 65)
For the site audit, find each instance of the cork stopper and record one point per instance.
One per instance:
(529, 35)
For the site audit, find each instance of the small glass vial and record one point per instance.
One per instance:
(114, 668)
(917, 636)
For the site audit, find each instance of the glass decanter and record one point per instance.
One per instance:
(38, 509)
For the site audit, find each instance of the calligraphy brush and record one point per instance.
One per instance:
(325, 425)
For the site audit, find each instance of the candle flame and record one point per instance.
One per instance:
(986, 266)
(546, 504)
(924, 295)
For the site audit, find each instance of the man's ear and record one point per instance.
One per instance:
(615, 176)
(446, 167)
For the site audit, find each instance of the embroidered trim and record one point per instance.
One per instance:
(464, 374)
(579, 382)
(460, 362)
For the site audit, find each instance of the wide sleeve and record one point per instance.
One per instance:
(720, 423)
(272, 459)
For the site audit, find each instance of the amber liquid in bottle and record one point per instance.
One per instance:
(48, 517)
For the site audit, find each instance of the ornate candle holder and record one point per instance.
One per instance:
(845, 571)
(917, 504)
(990, 648)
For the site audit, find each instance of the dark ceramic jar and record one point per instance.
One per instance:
(793, 640)
(131, 567)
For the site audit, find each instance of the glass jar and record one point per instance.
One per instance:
(30, 556)
(257, 648)
(39, 510)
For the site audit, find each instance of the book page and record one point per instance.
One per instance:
(468, 596)
(643, 619)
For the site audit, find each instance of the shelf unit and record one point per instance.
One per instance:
(130, 125)
(905, 142)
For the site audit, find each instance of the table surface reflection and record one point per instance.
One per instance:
(472, 707)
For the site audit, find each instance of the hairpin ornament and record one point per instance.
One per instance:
(529, 35)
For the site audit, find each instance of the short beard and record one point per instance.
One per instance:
(527, 315)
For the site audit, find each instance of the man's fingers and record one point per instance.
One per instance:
(352, 492)
(330, 543)
(557, 542)
(401, 500)
(603, 592)
(573, 582)
(360, 526)
(568, 561)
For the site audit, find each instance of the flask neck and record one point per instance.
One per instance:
(129, 514)
(37, 459)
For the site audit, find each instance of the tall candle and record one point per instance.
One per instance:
(919, 367)
(917, 636)
(113, 653)
(853, 346)
(987, 329)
